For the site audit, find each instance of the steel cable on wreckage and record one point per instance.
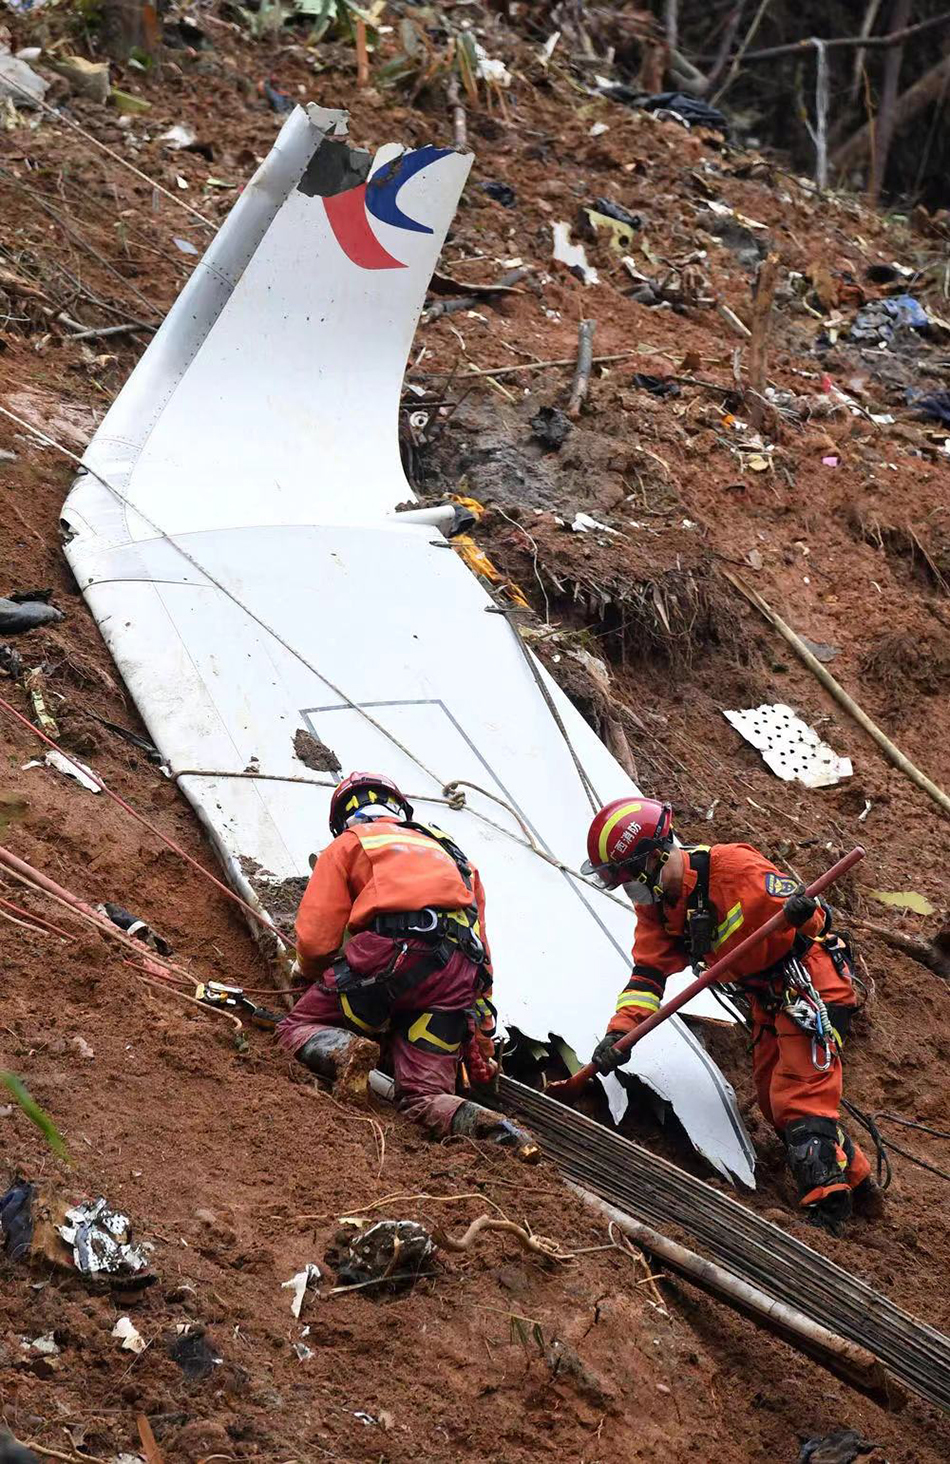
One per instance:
(235, 599)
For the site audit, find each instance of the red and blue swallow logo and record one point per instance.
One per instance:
(349, 213)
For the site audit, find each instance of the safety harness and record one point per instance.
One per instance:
(785, 985)
(437, 927)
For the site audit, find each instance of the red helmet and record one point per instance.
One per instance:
(360, 790)
(623, 836)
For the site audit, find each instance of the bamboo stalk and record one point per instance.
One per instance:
(891, 752)
(585, 359)
(847, 1360)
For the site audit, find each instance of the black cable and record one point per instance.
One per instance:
(883, 1163)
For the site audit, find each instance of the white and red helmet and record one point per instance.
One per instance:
(624, 837)
(365, 790)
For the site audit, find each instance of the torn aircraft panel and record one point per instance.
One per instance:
(235, 536)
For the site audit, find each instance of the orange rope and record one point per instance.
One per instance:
(257, 915)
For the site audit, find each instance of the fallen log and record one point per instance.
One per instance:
(855, 1365)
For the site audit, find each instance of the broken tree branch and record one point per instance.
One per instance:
(725, 45)
(362, 55)
(933, 954)
(585, 359)
(538, 1245)
(765, 283)
(891, 752)
(924, 91)
(847, 1360)
(732, 320)
(867, 25)
(884, 125)
(837, 43)
(740, 55)
(459, 124)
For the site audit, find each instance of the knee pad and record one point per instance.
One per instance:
(818, 1156)
(439, 1032)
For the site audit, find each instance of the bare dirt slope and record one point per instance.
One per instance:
(236, 1169)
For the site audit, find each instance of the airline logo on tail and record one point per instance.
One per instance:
(349, 213)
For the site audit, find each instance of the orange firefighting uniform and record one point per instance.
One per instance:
(745, 890)
(376, 868)
(381, 867)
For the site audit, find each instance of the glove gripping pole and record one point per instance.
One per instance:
(570, 1087)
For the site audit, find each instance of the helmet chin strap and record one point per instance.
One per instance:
(641, 894)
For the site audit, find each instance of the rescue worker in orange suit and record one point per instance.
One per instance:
(391, 932)
(694, 905)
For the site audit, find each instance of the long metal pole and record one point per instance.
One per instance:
(573, 1085)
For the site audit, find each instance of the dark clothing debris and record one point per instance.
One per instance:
(18, 615)
(502, 193)
(881, 320)
(840, 1447)
(660, 386)
(551, 426)
(612, 210)
(16, 1219)
(934, 405)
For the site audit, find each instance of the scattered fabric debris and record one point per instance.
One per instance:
(552, 427)
(309, 1276)
(16, 1219)
(659, 386)
(934, 405)
(277, 100)
(791, 748)
(388, 1252)
(132, 1340)
(192, 1349)
(572, 255)
(70, 768)
(612, 210)
(502, 193)
(18, 615)
(904, 900)
(882, 319)
(840, 1447)
(693, 111)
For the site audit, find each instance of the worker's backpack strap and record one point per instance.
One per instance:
(450, 847)
(702, 918)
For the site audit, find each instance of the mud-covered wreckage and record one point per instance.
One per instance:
(236, 539)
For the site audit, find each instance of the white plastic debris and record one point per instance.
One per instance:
(583, 523)
(571, 254)
(132, 1340)
(302, 1350)
(19, 82)
(791, 748)
(72, 769)
(490, 68)
(178, 137)
(185, 245)
(309, 1276)
(45, 1346)
(598, 129)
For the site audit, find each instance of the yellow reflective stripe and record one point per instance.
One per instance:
(420, 1028)
(377, 841)
(357, 1021)
(729, 926)
(611, 824)
(643, 999)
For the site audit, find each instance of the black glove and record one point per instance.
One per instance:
(799, 908)
(605, 1056)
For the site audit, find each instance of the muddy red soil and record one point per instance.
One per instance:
(232, 1166)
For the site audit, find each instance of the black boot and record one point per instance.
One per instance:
(341, 1058)
(818, 1159)
(482, 1123)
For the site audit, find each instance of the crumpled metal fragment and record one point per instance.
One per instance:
(101, 1240)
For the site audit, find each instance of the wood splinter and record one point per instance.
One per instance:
(585, 358)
